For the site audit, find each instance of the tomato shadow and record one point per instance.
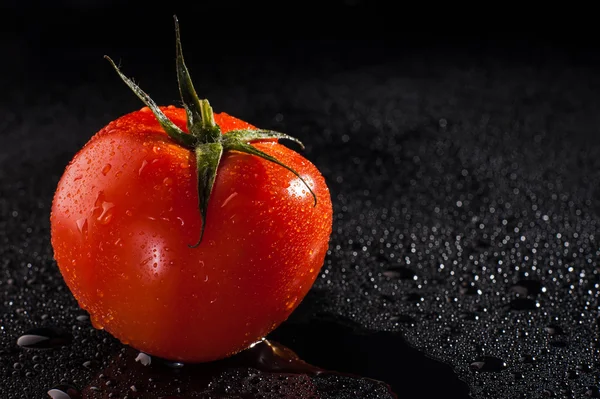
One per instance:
(343, 346)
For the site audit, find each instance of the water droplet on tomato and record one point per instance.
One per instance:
(232, 196)
(167, 181)
(44, 338)
(144, 163)
(106, 169)
(82, 225)
(106, 214)
(156, 149)
(78, 177)
(145, 109)
(145, 261)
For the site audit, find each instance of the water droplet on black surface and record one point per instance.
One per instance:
(89, 364)
(144, 359)
(517, 376)
(554, 329)
(593, 392)
(584, 367)
(488, 363)
(44, 338)
(64, 391)
(558, 343)
(527, 359)
(413, 297)
(572, 374)
(523, 304)
(400, 272)
(173, 365)
(467, 288)
(527, 287)
(402, 318)
(472, 316)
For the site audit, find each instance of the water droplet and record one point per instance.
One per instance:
(488, 363)
(232, 196)
(593, 392)
(83, 318)
(527, 287)
(64, 391)
(413, 297)
(173, 365)
(518, 376)
(572, 374)
(584, 367)
(44, 338)
(402, 318)
(106, 169)
(144, 359)
(554, 329)
(524, 304)
(96, 322)
(399, 272)
(469, 316)
(89, 364)
(144, 163)
(527, 359)
(82, 225)
(167, 181)
(145, 261)
(106, 215)
(559, 343)
(467, 288)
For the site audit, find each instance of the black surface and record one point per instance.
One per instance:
(463, 171)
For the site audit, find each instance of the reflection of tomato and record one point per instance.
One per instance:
(126, 211)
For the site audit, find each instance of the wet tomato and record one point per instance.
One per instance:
(186, 234)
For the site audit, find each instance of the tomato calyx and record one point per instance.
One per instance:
(204, 136)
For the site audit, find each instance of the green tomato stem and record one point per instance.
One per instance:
(204, 136)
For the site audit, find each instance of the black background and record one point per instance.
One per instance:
(250, 60)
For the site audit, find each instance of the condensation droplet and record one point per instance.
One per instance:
(144, 163)
(106, 214)
(82, 225)
(106, 169)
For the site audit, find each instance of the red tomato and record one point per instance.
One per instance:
(126, 210)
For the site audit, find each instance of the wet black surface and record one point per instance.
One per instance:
(465, 196)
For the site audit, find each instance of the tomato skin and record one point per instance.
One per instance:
(126, 212)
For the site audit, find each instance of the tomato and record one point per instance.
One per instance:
(172, 265)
